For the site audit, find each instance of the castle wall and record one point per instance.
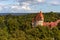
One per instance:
(39, 23)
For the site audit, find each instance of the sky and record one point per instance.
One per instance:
(29, 6)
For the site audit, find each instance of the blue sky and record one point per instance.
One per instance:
(27, 6)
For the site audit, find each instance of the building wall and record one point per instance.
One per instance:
(39, 23)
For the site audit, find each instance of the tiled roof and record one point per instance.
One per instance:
(38, 17)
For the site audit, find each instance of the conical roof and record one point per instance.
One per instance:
(39, 16)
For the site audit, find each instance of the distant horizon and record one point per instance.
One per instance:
(38, 12)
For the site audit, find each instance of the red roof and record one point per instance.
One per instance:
(39, 16)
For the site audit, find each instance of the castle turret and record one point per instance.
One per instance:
(39, 19)
(39, 16)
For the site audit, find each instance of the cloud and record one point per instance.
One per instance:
(31, 1)
(16, 7)
(1, 7)
(40, 0)
(2, 0)
(55, 2)
(26, 7)
(26, 4)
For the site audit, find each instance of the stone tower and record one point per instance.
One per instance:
(38, 20)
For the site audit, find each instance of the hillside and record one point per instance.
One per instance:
(19, 27)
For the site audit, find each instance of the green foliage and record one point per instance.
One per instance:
(20, 28)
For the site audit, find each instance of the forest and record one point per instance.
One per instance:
(19, 27)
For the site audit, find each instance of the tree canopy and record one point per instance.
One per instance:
(19, 28)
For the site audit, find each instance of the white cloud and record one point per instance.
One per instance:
(25, 3)
(26, 7)
(1, 8)
(40, 0)
(54, 2)
(18, 7)
(15, 7)
(31, 1)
